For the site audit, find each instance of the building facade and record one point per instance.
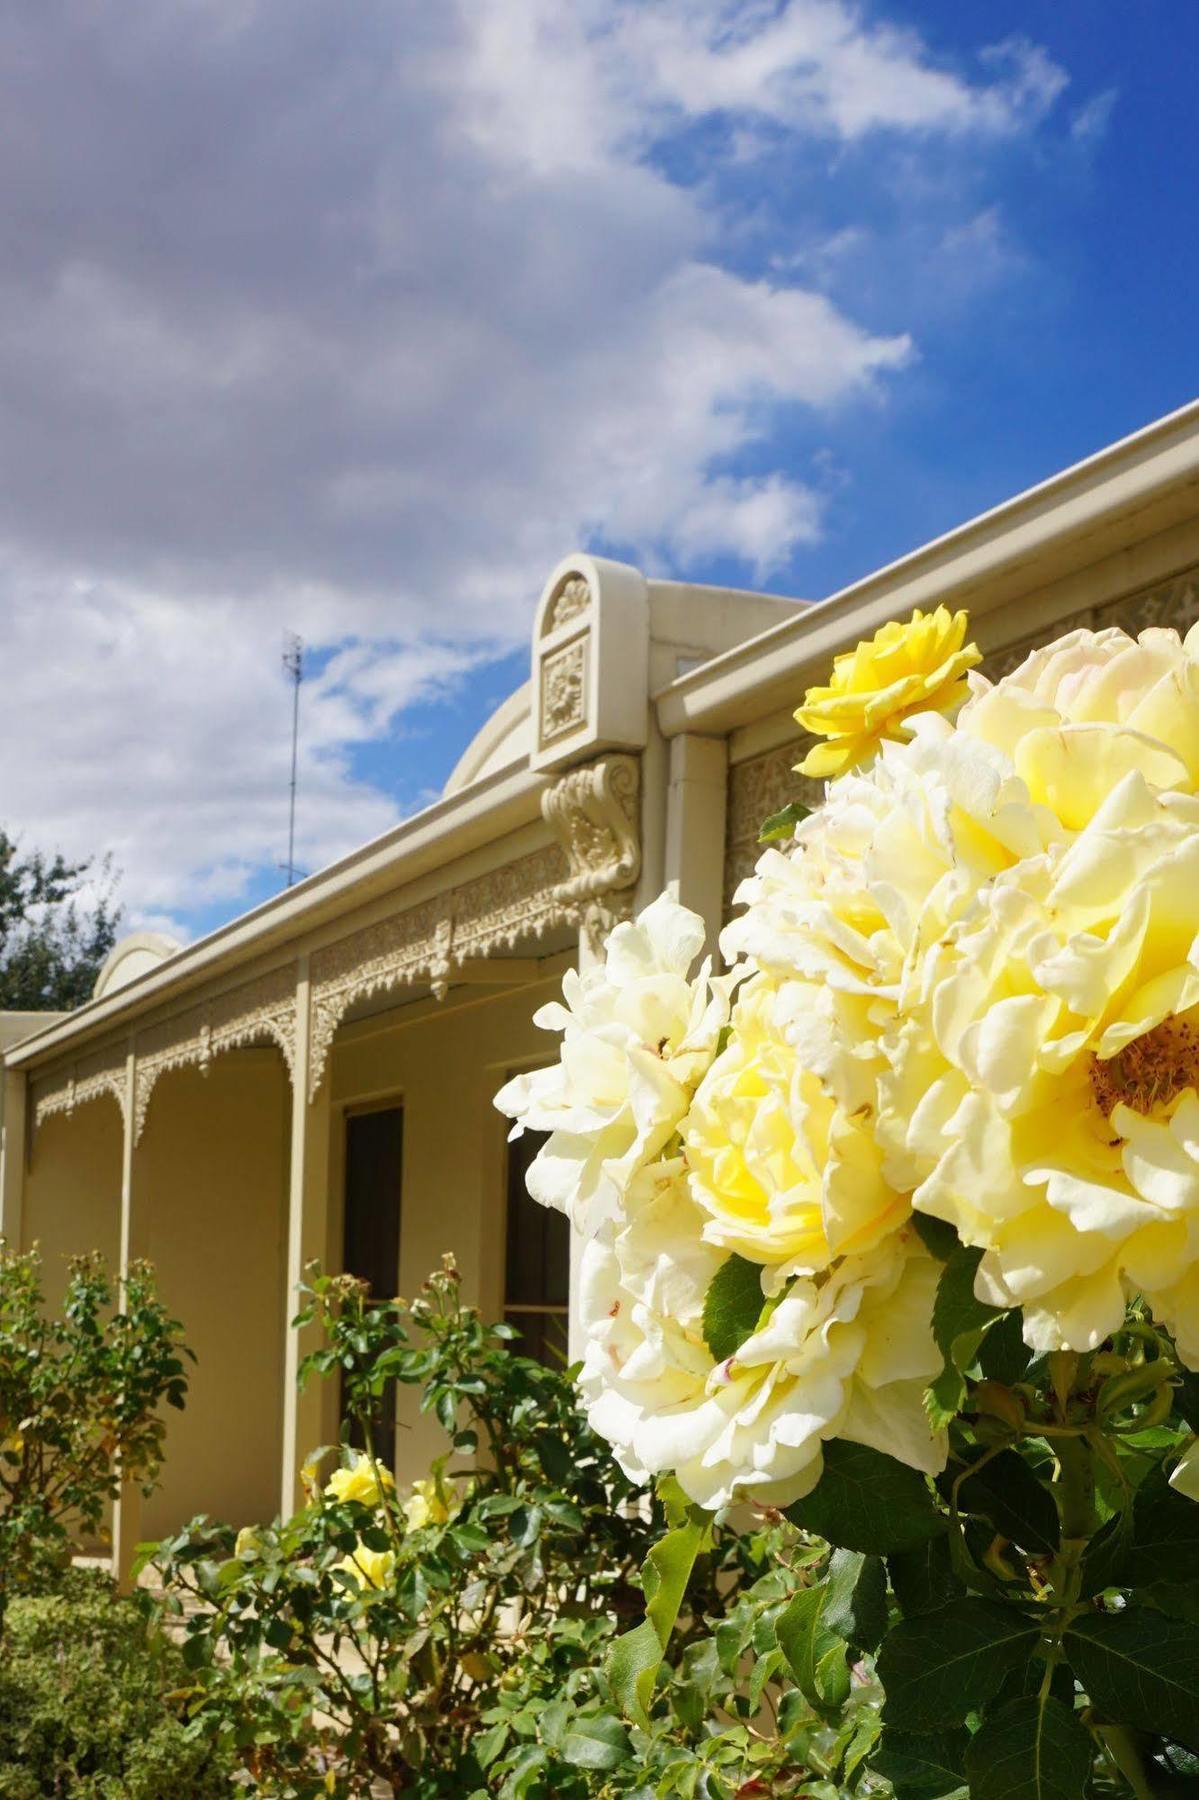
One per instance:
(314, 1080)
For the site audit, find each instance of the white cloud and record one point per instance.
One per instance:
(1091, 120)
(352, 321)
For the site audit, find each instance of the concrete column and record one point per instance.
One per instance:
(14, 1154)
(127, 1511)
(307, 1416)
(695, 823)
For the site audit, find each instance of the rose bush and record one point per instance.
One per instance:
(451, 1642)
(913, 1251)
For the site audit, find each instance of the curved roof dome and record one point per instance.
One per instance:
(506, 738)
(131, 957)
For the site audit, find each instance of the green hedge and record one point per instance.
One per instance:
(90, 1699)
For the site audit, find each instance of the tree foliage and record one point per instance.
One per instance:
(58, 922)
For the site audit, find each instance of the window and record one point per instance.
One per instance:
(537, 1265)
(371, 1228)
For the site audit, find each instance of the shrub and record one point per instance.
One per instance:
(90, 1703)
(453, 1642)
(79, 1399)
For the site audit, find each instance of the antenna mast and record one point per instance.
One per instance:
(293, 664)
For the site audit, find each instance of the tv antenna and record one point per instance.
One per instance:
(293, 665)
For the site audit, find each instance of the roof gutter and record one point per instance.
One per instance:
(979, 565)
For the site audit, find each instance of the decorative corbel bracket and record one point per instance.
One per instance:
(594, 812)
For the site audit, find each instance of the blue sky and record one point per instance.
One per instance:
(353, 321)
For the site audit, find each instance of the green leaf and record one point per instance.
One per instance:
(1007, 1492)
(781, 825)
(1180, 1599)
(922, 1763)
(924, 1578)
(1105, 1558)
(937, 1235)
(1033, 1749)
(867, 1501)
(1003, 1355)
(598, 1743)
(1165, 1534)
(732, 1306)
(960, 1322)
(939, 1666)
(816, 1654)
(635, 1658)
(856, 1607)
(1140, 1668)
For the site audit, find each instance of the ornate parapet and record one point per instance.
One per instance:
(426, 942)
(590, 662)
(594, 812)
(74, 1084)
(259, 1011)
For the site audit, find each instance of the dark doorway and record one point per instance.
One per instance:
(371, 1231)
(537, 1265)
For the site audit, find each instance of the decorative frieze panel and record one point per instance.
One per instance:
(583, 880)
(426, 942)
(569, 600)
(90, 1078)
(1174, 602)
(758, 788)
(262, 1010)
(594, 812)
(564, 690)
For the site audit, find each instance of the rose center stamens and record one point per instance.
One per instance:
(1151, 1071)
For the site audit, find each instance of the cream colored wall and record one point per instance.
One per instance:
(72, 1199)
(443, 1064)
(209, 1210)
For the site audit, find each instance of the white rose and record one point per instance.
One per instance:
(637, 1036)
(1080, 714)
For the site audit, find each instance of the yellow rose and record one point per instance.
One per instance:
(428, 1504)
(785, 1173)
(360, 1480)
(369, 1568)
(903, 669)
(1044, 1092)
